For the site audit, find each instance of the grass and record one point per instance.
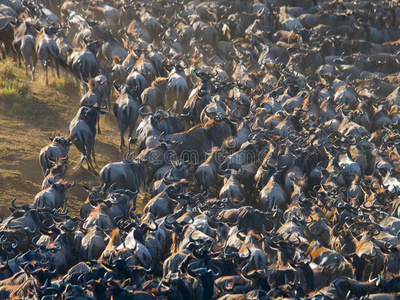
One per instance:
(9, 174)
(8, 73)
(15, 96)
(62, 85)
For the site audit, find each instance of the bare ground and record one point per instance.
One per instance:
(24, 134)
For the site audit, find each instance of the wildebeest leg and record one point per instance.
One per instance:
(82, 83)
(109, 101)
(28, 64)
(81, 149)
(33, 66)
(122, 141)
(45, 67)
(89, 149)
(19, 63)
(14, 52)
(131, 128)
(57, 68)
(47, 73)
(3, 53)
(122, 130)
(94, 156)
(98, 125)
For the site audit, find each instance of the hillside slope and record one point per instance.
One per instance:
(26, 127)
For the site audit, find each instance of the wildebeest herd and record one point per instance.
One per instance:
(263, 137)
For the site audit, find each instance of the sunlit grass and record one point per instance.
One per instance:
(9, 174)
(63, 85)
(15, 96)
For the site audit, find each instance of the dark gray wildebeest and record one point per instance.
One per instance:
(147, 132)
(126, 110)
(154, 96)
(203, 137)
(47, 49)
(136, 79)
(58, 148)
(111, 48)
(206, 174)
(178, 90)
(56, 172)
(84, 64)
(121, 203)
(127, 175)
(25, 43)
(83, 129)
(94, 96)
(53, 196)
(91, 98)
(7, 36)
(153, 124)
(64, 45)
(103, 88)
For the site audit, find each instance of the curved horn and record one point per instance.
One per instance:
(116, 86)
(14, 205)
(245, 272)
(143, 114)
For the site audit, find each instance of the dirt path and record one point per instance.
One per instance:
(23, 135)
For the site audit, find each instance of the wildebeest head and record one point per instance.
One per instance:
(65, 142)
(92, 46)
(90, 114)
(361, 262)
(125, 89)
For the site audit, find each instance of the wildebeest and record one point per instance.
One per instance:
(7, 36)
(294, 102)
(58, 148)
(25, 45)
(126, 110)
(83, 129)
(154, 96)
(47, 49)
(84, 64)
(53, 196)
(127, 174)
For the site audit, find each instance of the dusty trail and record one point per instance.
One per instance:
(23, 135)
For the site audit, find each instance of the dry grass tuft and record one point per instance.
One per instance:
(9, 174)
(62, 85)
(15, 96)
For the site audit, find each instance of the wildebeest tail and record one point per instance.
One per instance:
(59, 60)
(126, 118)
(82, 67)
(105, 177)
(44, 164)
